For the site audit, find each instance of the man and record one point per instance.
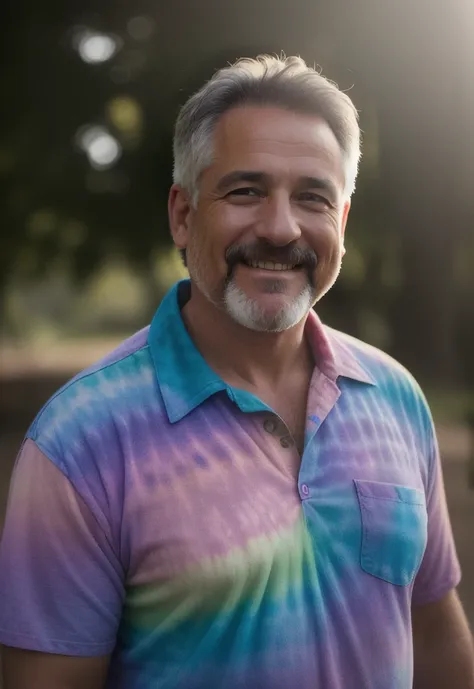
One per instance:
(239, 496)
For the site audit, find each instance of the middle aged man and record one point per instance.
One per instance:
(238, 496)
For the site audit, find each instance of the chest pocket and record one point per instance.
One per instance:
(394, 530)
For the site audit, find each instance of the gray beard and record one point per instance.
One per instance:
(248, 313)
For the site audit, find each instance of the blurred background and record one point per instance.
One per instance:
(89, 93)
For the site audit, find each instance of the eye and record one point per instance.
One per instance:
(246, 192)
(314, 199)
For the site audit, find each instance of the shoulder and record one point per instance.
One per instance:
(391, 379)
(86, 414)
(380, 365)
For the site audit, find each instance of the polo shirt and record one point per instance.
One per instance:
(159, 515)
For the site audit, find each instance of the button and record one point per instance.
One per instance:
(305, 490)
(286, 441)
(269, 425)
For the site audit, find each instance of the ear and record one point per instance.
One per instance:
(345, 215)
(179, 209)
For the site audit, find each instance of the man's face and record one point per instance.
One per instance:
(265, 240)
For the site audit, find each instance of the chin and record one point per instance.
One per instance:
(255, 316)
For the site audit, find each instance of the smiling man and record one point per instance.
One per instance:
(239, 496)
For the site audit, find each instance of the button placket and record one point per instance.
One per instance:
(276, 427)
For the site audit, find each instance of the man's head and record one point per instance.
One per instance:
(266, 157)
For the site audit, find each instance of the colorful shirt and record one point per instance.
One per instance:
(159, 515)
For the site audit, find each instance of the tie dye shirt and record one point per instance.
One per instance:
(163, 517)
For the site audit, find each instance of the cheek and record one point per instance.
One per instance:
(327, 241)
(206, 250)
(325, 236)
(329, 267)
(232, 222)
(223, 228)
(199, 252)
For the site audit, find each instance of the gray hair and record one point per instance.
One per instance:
(285, 82)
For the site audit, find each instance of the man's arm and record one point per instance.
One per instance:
(32, 670)
(443, 645)
(61, 581)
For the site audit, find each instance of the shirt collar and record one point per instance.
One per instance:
(347, 363)
(186, 379)
(333, 353)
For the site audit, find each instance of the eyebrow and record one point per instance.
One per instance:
(240, 176)
(255, 177)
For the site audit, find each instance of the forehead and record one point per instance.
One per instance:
(275, 140)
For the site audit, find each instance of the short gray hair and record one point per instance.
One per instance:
(285, 82)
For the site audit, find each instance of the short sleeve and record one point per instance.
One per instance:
(440, 570)
(61, 581)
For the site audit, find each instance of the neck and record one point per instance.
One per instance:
(241, 355)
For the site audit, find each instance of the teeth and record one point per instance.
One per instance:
(270, 265)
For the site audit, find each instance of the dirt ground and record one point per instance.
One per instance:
(21, 398)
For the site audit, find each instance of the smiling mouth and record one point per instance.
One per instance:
(271, 265)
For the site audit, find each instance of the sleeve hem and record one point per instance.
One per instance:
(438, 592)
(54, 646)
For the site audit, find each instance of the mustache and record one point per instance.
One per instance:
(263, 251)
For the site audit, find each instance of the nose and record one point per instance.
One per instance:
(278, 224)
